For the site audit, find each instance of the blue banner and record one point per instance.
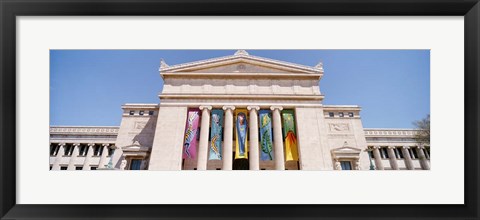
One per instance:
(266, 145)
(215, 152)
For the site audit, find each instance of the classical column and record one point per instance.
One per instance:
(378, 158)
(278, 138)
(58, 157)
(103, 158)
(253, 148)
(423, 159)
(73, 157)
(86, 164)
(203, 146)
(227, 152)
(392, 157)
(408, 159)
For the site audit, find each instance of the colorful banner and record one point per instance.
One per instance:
(191, 133)
(215, 152)
(266, 145)
(289, 135)
(241, 147)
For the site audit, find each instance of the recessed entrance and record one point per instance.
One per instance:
(241, 164)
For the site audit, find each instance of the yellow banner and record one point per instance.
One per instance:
(241, 134)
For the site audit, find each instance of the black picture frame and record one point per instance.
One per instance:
(470, 9)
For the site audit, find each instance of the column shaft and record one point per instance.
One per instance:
(73, 157)
(227, 152)
(423, 159)
(86, 164)
(103, 158)
(253, 148)
(378, 158)
(408, 159)
(203, 146)
(58, 157)
(279, 157)
(393, 158)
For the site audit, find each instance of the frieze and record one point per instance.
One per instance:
(99, 130)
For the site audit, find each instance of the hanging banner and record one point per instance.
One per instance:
(289, 135)
(266, 145)
(191, 133)
(241, 134)
(215, 152)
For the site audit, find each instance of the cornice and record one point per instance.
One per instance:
(238, 57)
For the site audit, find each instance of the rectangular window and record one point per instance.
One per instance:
(426, 153)
(63, 168)
(78, 168)
(111, 151)
(346, 165)
(68, 150)
(83, 150)
(141, 113)
(350, 114)
(53, 150)
(331, 114)
(96, 151)
(340, 114)
(132, 112)
(93, 168)
(398, 151)
(150, 112)
(384, 152)
(218, 169)
(414, 153)
(371, 154)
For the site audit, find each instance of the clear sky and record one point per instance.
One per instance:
(88, 87)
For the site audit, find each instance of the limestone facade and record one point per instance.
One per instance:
(151, 136)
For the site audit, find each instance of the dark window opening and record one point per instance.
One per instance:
(350, 114)
(141, 113)
(78, 168)
(150, 112)
(132, 112)
(93, 168)
(346, 165)
(340, 114)
(63, 168)
(331, 114)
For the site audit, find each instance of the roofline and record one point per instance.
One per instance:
(165, 68)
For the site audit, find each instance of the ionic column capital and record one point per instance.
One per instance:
(207, 107)
(421, 146)
(228, 107)
(376, 147)
(91, 144)
(273, 108)
(76, 144)
(391, 147)
(61, 144)
(253, 107)
(105, 145)
(406, 147)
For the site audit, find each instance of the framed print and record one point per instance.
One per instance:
(239, 109)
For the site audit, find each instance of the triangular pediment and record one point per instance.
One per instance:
(240, 67)
(238, 63)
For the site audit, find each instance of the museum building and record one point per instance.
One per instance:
(237, 112)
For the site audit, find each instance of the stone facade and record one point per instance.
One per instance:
(151, 136)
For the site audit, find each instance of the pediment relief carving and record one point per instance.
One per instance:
(240, 67)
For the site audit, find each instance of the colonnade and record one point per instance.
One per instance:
(227, 150)
(72, 164)
(424, 163)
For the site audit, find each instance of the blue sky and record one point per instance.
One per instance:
(87, 87)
